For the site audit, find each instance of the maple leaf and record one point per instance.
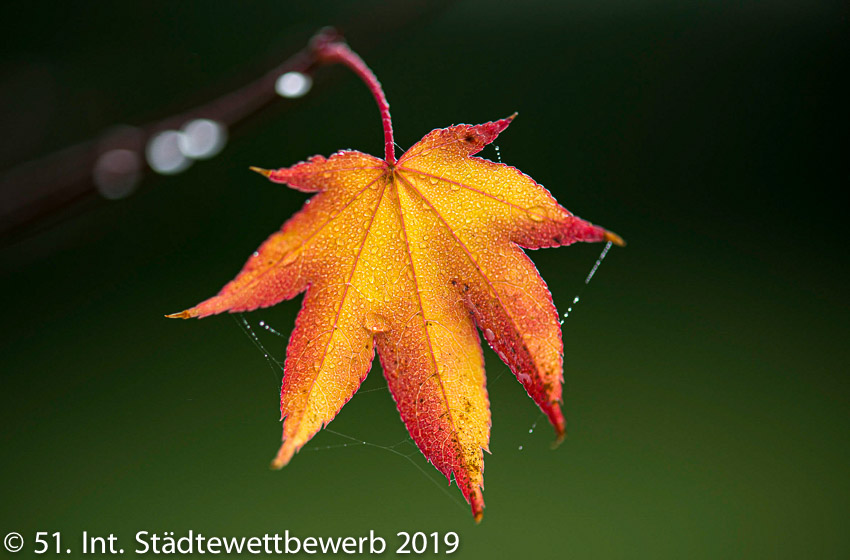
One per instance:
(412, 257)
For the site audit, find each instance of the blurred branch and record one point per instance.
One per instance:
(117, 161)
(43, 186)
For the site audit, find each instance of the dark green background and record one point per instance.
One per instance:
(706, 366)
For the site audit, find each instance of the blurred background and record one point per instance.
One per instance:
(706, 365)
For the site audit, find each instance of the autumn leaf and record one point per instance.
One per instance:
(412, 258)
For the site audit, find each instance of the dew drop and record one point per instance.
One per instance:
(289, 258)
(375, 323)
(537, 213)
(488, 334)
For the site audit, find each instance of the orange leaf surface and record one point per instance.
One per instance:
(413, 258)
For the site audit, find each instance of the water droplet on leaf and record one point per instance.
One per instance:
(537, 213)
(376, 323)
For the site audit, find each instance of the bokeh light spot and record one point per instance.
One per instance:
(202, 139)
(164, 154)
(293, 84)
(117, 173)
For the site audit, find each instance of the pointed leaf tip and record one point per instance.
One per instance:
(182, 315)
(559, 439)
(284, 455)
(476, 501)
(614, 238)
(261, 171)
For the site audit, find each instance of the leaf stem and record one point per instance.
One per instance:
(331, 49)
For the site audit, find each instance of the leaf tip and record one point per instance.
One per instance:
(559, 439)
(187, 314)
(264, 172)
(614, 238)
(512, 117)
(556, 417)
(476, 500)
(284, 455)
